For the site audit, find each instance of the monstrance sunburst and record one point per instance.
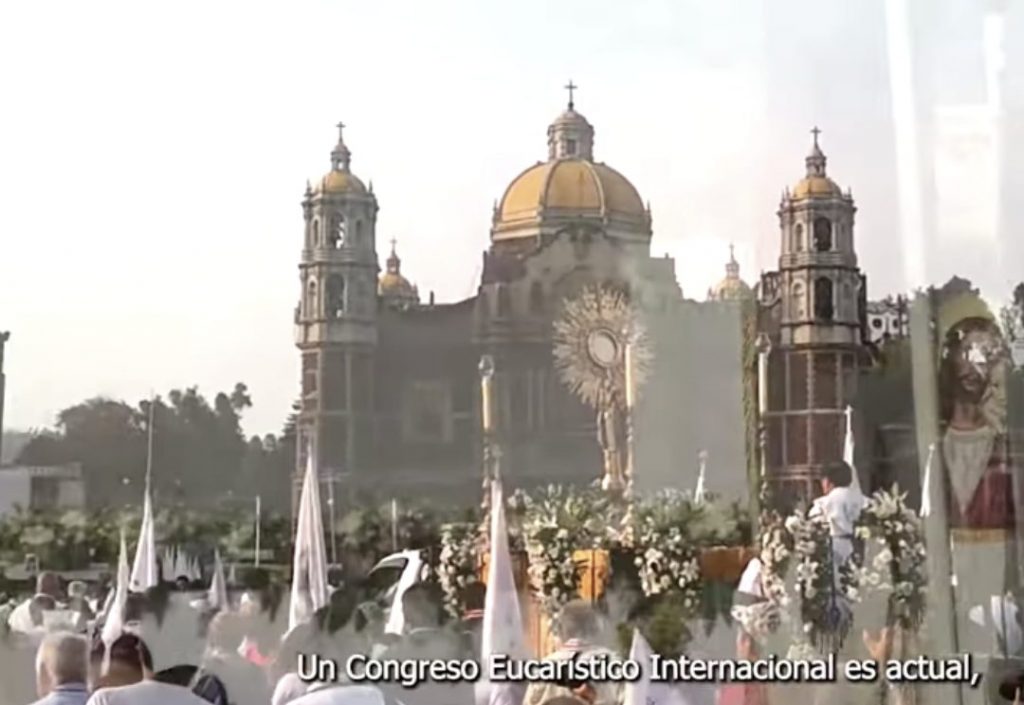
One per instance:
(590, 342)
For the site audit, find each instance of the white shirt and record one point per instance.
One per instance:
(146, 693)
(342, 695)
(750, 581)
(288, 688)
(841, 507)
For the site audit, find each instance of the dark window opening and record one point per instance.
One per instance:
(536, 298)
(823, 308)
(311, 307)
(335, 296)
(822, 235)
(338, 235)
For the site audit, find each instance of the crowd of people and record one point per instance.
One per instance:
(239, 656)
(243, 662)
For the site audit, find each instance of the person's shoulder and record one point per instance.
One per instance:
(338, 694)
(62, 699)
(146, 692)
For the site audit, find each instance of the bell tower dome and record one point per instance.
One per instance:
(570, 136)
(820, 294)
(336, 319)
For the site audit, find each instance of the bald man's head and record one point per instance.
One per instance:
(48, 584)
(62, 659)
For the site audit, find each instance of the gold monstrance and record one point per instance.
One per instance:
(603, 356)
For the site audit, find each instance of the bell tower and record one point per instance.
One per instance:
(336, 320)
(821, 298)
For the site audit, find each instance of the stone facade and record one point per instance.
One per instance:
(814, 310)
(390, 389)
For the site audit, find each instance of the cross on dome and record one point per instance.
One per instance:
(570, 136)
(570, 86)
(341, 157)
(816, 159)
(394, 264)
(732, 267)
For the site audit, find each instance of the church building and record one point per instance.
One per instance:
(390, 389)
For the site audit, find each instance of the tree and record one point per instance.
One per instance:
(200, 457)
(1011, 317)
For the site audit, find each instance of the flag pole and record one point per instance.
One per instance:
(256, 557)
(149, 442)
(394, 525)
(330, 515)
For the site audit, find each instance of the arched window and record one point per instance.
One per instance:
(362, 297)
(504, 301)
(797, 308)
(338, 235)
(822, 235)
(312, 310)
(316, 233)
(536, 298)
(335, 296)
(823, 306)
(798, 237)
(358, 237)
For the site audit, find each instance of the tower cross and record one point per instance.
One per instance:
(570, 86)
(394, 242)
(815, 131)
(341, 127)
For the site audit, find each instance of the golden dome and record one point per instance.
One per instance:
(816, 183)
(340, 178)
(395, 288)
(732, 287)
(570, 187)
(811, 186)
(338, 181)
(394, 284)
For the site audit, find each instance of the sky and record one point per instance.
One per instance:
(153, 157)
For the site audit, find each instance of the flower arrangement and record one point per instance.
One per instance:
(667, 557)
(457, 564)
(822, 616)
(555, 523)
(776, 550)
(722, 524)
(899, 565)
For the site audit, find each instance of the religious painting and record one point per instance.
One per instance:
(972, 387)
(982, 485)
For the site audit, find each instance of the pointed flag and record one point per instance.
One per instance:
(848, 450)
(144, 575)
(217, 597)
(113, 623)
(635, 692)
(167, 559)
(309, 564)
(645, 692)
(700, 494)
(503, 624)
(410, 575)
(926, 484)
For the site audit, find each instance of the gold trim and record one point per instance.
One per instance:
(979, 535)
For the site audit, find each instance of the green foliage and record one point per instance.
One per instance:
(664, 621)
(200, 457)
